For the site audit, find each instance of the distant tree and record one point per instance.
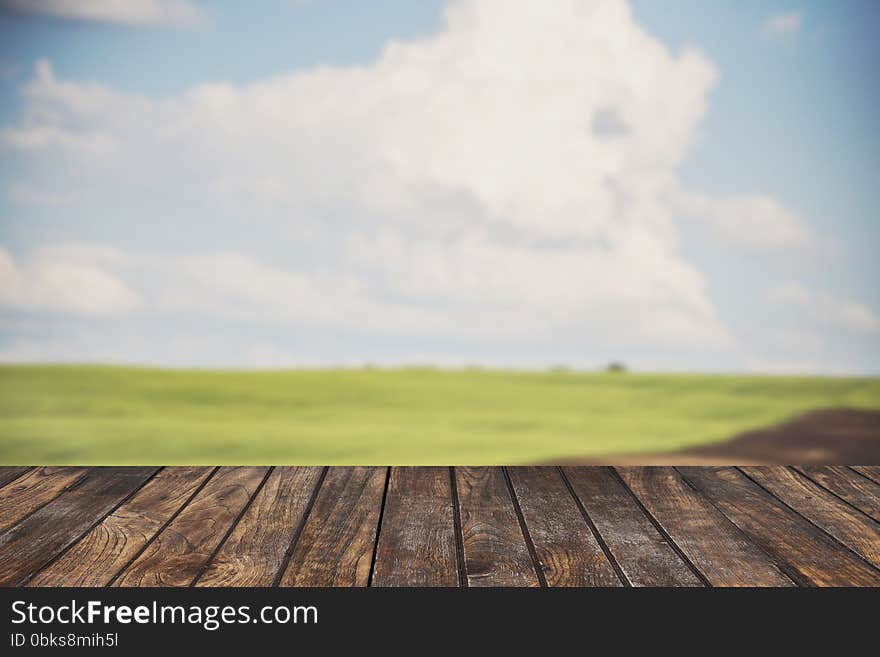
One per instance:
(560, 369)
(616, 367)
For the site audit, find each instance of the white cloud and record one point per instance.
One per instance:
(825, 309)
(165, 13)
(755, 223)
(783, 24)
(513, 174)
(420, 292)
(21, 194)
(65, 281)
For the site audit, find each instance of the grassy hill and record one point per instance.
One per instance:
(116, 415)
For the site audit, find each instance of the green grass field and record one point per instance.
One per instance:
(110, 415)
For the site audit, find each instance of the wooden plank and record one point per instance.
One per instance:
(810, 554)
(31, 544)
(495, 551)
(34, 489)
(337, 542)
(107, 548)
(417, 538)
(860, 492)
(872, 472)
(178, 553)
(568, 552)
(9, 473)
(642, 553)
(721, 552)
(849, 526)
(256, 549)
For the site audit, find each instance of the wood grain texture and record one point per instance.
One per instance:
(859, 491)
(337, 542)
(642, 553)
(872, 472)
(32, 490)
(256, 549)
(704, 535)
(440, 526)
(109, 546)
(568, 552)
(848, 525)
(810, 554)
(9, 473)
(30, 545)
(495, 551)
(178, 553)
(417, 538)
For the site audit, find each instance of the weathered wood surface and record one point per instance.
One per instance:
(256, 549)
(177, 554)
(107, 548)
(495, 549)
(417, 543)
(10, 473)
(860, 492)
(34, 489)
(839, 519)
(32, 544)
(809, 555)
(440, 526)
(568, 552)
(872, 472)
(644, 556)
(703, 534)
(336, 545)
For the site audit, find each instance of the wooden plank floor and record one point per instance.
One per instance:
(439, 526)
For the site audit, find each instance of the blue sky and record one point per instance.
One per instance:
(273, 184)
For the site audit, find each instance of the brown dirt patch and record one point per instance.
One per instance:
(824, 437)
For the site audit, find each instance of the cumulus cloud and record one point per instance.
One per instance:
(164, 13)
(783, 24)
(826, 309)
(413, 292)
(512, 174)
